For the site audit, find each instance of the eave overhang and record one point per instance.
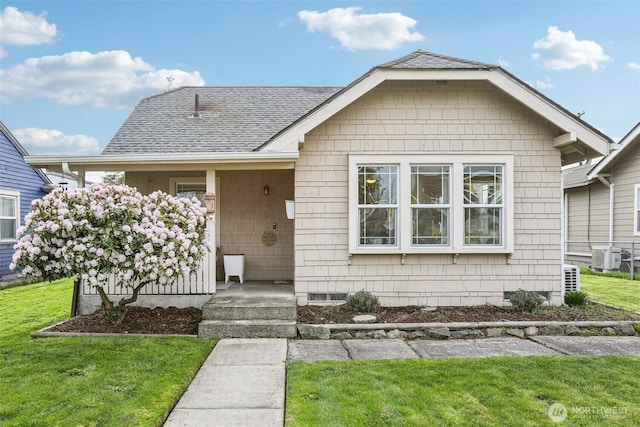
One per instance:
(581, 141)
(167, 161)
(632, 138)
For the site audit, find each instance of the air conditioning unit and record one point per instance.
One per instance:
(606, 258)
(571, 278)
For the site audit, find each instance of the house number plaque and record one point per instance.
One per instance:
(268, 238)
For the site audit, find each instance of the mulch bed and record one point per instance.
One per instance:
(483, 313)
(172, 320)
(137, 320)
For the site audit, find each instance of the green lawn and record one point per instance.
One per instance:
(517, 391)
(616, 291)
(130, 381)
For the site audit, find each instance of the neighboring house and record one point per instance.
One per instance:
(430, 180)
(603, 206)
(20, 184)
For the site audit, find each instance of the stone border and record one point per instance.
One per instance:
(520, 329)
(46, 333)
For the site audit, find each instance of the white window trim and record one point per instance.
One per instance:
(636, 210)
(15, 194)
(456, 237)
(173, 188)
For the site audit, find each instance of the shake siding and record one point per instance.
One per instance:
(245, 213)
(421, 117)
(16, 175)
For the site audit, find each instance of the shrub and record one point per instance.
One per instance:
(94, 233)
(575, 298)
(522, 300)
(363, 301)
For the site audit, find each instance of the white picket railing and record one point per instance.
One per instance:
(197, 283)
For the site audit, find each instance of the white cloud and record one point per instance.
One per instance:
(635, 66)
(503, 62)
(52, 141)
(384, 31)
(561, 50)
(104, 79)
(25, 28)
(545, 83)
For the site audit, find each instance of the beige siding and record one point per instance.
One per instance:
(422, 117)
(587, 212)
(244, 214)
(625, 175)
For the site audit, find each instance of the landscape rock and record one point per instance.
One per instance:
(314, 332)
(377, 334)
(361, 334)
(531, 331)
(439, 333)
(572, 330)
(627, 329)
(608, 331)
(341, 336)
(396, 333)
(416, 334)
(516, 332)
(552, 330)
(494, 332)
(365, 318)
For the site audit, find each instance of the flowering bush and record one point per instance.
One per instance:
(93, 233)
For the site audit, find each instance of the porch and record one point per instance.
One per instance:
(254, 309)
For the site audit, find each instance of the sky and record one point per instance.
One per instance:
(72, 71)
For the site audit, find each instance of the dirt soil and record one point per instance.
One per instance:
(483, 313)
(139, 320)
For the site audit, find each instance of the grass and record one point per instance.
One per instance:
(612, 290)
(110, 381)
(517, 391)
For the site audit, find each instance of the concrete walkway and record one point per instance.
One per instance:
(242, 382)
(316, 350)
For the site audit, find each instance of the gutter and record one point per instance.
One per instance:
(164, 158)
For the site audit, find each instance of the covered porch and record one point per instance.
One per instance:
(248, 218)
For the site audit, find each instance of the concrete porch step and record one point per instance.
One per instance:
(231, 307)
(255, 328)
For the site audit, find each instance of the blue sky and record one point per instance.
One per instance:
(72, 71)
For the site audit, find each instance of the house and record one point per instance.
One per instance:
(19, 185)
(430, 180)
(603, 209)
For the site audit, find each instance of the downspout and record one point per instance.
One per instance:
(563, 233)
(79, 179)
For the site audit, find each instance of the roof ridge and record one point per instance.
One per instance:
(417, 53)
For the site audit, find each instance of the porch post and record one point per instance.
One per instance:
(211, 232)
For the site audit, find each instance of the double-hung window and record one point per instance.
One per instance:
(378, 205)
(9, 215)
(431, 203)
(483, 205)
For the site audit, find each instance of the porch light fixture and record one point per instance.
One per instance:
(210, 202)
(265, 190)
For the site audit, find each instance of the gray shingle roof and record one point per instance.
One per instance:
(233, 119)
(576, 176)
(433, 61)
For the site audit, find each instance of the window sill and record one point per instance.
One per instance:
(432, 251)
